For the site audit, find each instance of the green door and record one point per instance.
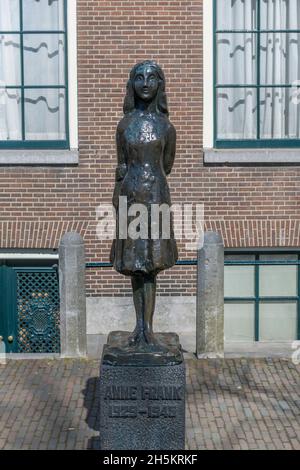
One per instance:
(8, 309)
(29, 309)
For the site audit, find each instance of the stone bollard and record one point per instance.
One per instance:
(72, 295)
(210, 297)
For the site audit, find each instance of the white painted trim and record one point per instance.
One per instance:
(20, 256)
(38, 157)
(208, 111)
(264, 156)
(72, 73)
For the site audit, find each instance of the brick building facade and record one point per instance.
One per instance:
(253, 205)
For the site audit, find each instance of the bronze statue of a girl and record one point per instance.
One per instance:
(146, 142)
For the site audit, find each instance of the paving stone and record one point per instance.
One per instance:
(231, 404)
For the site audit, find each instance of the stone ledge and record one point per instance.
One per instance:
(39, 157)
(248, 156)
(260, 349)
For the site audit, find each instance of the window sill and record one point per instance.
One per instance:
(39, 157)
(281, 156)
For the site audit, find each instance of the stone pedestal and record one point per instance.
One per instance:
(141, 407)
(72, 295)
(210, 297)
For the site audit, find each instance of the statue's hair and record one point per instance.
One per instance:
(161, 98)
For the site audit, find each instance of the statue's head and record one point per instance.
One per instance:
(147, 83)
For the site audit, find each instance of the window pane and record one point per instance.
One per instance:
(239, 281)
(236, 112)
(10, 60)
(45, 114)
(278, 281)
(10, 114)
(280, 14)
(44, 59)
(43, 15)
(236, 59)
(278, 321)
(239, 321)
(279, 114)
(279, 58)
(9, 15)
(240, 14)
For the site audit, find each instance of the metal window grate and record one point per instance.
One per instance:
(38, 312)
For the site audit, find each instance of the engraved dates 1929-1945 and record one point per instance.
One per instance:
(154, 401)
(133, 411)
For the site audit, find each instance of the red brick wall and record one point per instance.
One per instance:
(251, 206)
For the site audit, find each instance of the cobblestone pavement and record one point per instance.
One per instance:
(231, 404)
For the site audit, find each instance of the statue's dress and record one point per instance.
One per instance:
(146, 150)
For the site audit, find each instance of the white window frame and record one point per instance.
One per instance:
(57, 157)
(223, 156)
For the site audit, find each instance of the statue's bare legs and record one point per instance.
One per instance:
(144, 291)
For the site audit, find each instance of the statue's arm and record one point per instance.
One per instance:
(121, 169)
(170, 150)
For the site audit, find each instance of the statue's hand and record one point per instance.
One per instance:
(121, 171)
(115, 199)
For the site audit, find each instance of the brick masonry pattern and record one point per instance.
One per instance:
(251, 206)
